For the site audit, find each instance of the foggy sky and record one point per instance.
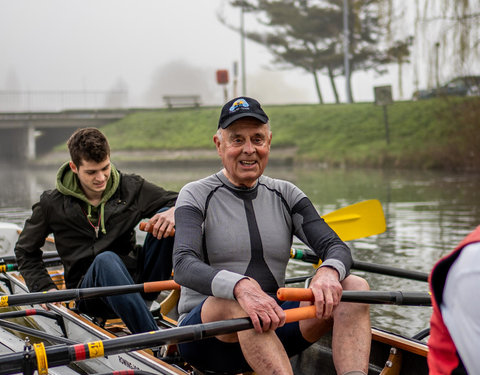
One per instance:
(148, 47)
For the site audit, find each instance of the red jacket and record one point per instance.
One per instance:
(443, 357)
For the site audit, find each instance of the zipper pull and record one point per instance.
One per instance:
(96, 231)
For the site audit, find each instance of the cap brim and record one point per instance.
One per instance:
(227, 123)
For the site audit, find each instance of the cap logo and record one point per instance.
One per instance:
(239, 104)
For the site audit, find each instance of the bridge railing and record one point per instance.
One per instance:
(38, 101)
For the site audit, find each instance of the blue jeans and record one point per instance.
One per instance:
(108, 269)
(155, 261)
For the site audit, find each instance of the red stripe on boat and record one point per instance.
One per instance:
(29, 312)
(80, 352)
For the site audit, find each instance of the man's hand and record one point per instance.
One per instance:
(264, 311)
(162, 225)
(327, 291)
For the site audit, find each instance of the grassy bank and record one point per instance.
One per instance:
(438, 133)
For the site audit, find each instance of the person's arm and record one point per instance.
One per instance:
(334, 253)
(151, 198)
(316, 233)
(158, 205)
(190, 260)
(29, 254)
(190, 267)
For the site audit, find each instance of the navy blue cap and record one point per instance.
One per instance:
(241, 107)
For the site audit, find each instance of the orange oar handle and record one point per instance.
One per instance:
(299, 313)
(295, 294)
(143, 224)
(158, 286)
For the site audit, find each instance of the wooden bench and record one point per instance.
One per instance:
(182, 100)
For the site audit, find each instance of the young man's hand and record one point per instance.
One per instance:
(162, 225)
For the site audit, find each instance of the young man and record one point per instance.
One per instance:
(92, 214)
(233, 237)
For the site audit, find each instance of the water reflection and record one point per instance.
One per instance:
(427, 214)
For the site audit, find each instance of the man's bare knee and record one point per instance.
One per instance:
(347, 309)
(215, 309)
(353, 282)
(219, 309)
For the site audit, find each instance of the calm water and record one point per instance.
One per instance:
(427, 214)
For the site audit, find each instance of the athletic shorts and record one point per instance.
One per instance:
(214, 355)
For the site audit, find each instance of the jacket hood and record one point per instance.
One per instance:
(69, 184)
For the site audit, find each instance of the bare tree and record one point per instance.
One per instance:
(309, 35)
(447, 35)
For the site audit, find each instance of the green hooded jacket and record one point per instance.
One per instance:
(69, 184)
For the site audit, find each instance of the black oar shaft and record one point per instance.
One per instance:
(59, 355)
(364, 296)
(13, 258)
(297, 279)
(309, 256)
(393, 298)
(68, 294)
(390, 271)
(35, 332)
(28, 312)
(6, 266)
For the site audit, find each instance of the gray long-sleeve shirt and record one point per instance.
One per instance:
(224, 233)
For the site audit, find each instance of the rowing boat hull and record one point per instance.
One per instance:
(390, 354)
(81, 329)
(11, 343)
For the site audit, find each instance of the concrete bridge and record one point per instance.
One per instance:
(24, 136)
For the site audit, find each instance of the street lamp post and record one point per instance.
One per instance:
(346, 53)
(437, 78)
(242, 44)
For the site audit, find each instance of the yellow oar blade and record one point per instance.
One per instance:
(358, 220)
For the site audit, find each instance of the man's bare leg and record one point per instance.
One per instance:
(351, 335)
(263, 351)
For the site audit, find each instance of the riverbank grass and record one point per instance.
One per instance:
(436, 133)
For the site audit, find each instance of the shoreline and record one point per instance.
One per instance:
(173, 158)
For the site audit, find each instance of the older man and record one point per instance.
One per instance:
(234, 231)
